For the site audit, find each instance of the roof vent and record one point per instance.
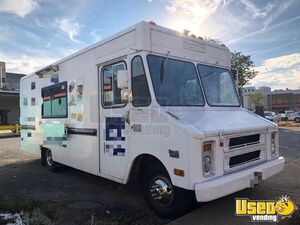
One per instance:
(152, 22)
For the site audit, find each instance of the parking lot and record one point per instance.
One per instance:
(75, 197)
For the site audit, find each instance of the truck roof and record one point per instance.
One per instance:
(193, 43)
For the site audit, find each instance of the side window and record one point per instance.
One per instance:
(111, 94)
(32, 85)
(25, 101)
(55, 101)
(33, 102)
(140, 90)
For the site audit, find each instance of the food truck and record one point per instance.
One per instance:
(153, 105)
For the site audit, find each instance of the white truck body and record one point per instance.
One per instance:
(110, 141)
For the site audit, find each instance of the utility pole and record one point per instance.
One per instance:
(271, 102)
(2, 74)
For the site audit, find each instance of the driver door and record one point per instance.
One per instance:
(113, 127)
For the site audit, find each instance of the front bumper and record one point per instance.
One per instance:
(230, 183)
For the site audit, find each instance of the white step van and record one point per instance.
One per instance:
(152, 104)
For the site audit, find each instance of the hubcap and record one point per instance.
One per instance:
(49, 158)
(161, 191)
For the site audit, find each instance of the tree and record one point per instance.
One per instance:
(245, 67)
(257, 100)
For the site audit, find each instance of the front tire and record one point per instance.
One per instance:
(166, 199)
(297, 120)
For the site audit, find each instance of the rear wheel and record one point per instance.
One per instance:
(166, 199)
(50, 163)
(297, 120)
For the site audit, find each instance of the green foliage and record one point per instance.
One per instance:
(17, 206)
(245, 67)
(257, 99)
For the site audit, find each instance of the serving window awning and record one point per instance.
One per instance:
(51, 68)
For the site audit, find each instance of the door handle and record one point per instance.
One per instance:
(66, 132)
(127, 117)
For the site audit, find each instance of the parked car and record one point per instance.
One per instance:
(271, 116)
(295, 116)
(289, 112)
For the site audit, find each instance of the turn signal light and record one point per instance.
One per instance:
(179, 172)
(207, 147)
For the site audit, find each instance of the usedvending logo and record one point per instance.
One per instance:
(265, 211)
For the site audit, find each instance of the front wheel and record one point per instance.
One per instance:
(166, 199)
(297, 120)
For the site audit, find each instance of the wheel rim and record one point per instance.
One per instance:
(49, 157)
(161, 191)
(297, 120)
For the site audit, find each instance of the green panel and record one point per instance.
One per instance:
(47, 108)
(53, 130)
(59, 107)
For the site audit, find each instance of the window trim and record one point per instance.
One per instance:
(139, 56)
(197, 75)
(101, 89)
(211, 105)
(42, 106)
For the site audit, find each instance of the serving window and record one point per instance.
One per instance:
(55, 101)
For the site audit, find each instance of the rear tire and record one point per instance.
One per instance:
(167, 200)
(48, 160)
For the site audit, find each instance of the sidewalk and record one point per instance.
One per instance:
(221, 211)
(8, 134)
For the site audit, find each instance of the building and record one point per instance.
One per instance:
(277, 101)
(247, 104)
(9, 96)
(282, 100)
(264, 90)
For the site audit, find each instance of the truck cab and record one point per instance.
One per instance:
(155, 105)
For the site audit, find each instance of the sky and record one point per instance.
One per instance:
(35, 33)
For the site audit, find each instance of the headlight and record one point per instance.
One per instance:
(273, 143)
(206, 164)
(207, 159)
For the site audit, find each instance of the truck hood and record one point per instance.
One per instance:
(211, 122)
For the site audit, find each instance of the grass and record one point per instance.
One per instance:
(288, 124)
(18, 206)
(35, 213)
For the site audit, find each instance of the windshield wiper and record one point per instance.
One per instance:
(210, 72)
(162, 67)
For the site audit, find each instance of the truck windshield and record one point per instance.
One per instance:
(218, 86)
(175, 82)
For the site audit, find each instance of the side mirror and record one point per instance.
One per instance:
(122, 79)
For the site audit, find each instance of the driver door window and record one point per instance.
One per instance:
(111, 94)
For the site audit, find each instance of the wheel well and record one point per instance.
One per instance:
(138, 165)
